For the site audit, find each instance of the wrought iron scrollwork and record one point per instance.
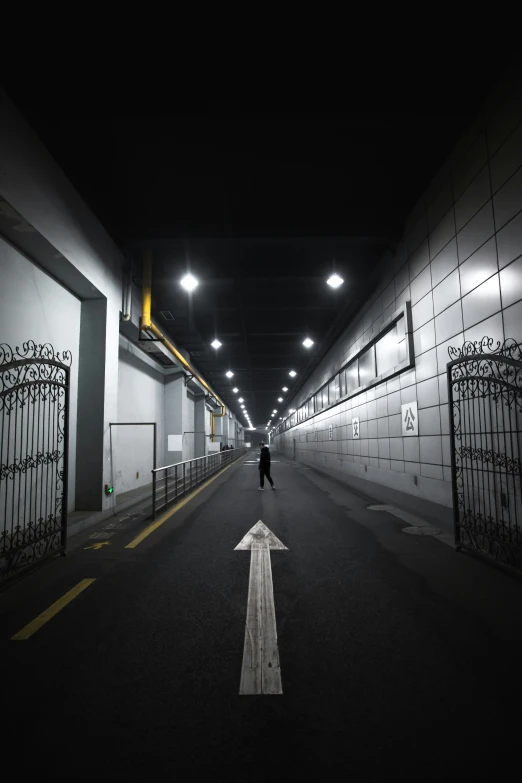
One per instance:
(34, 387)
(485, 395)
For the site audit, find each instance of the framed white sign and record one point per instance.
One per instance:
(355, 429)
(410, 418)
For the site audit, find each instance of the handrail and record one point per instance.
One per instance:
(171, 482)
(206, 456)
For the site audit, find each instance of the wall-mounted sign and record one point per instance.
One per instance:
(316, 434)
(410, 418)
(330, 432)
(355, 429)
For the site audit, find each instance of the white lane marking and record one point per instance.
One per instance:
(255, 462)
(417, 522)
(261, 669)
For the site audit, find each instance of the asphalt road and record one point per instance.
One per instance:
(398, 655)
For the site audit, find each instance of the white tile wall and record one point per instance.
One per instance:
(482, 302)
(446, 293)
(449, 323)
(444, 263)
(478, 267)
(508, 200)
(509, 241)
(476, 232)
(442, 233)
(464, 282)
(473, 198)
(507, 160)
(511, 283)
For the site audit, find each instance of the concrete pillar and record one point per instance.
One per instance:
(188, 422)
(226, 434)
(200, 440)
(91, 406)
(208, 427)
(218, 429)
(174, 392)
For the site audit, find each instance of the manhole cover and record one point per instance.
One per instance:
(425, 530)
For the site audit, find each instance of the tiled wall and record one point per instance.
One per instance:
(460, 265)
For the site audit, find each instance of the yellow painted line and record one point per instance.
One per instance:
(168, 514)
(49, 613)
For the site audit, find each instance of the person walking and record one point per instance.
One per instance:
(264, 466)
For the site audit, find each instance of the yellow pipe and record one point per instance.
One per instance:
(216, 416)
(147, 325)
(147, 290)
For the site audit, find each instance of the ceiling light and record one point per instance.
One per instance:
(189, 282)
(230, 374)
(292, 373)
(335, 281)
(241, 399)
(308, 343)
(242, 406)
(274, 412)
(235, 390)
(280, 399)
(216, 344)
(285, 388)
(292, 410)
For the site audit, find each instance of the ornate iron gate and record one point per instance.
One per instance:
(34, 409)
(485, 403)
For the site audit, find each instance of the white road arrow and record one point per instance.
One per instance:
(260, 672)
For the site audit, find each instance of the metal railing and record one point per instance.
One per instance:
(172, 482)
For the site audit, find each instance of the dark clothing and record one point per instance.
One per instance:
(264, 458)
(264, 466)
(265, 472)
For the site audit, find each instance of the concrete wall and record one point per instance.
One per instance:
(32, 183)
(460, 265)
(188, 425)
(141, 398)
(78, 309)
(45, 312)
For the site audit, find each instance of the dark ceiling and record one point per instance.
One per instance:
(261, 205)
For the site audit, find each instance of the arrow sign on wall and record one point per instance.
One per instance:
(260, 672)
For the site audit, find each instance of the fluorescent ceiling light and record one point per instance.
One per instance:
(241, 399)
(292, 373)
(335, 281)
(308, 343)
(280, 399)
(274, 412)
(189, 282)
(235, 390)
(242, 406)
(230, 374)
(216, 344)
(285, 388)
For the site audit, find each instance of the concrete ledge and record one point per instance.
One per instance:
(80, 520)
